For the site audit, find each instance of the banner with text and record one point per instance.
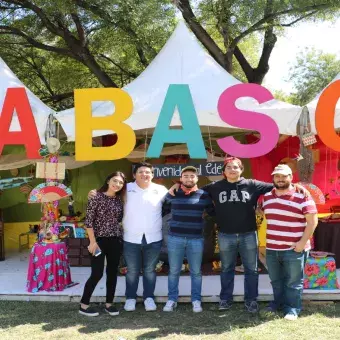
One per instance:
(174, 170)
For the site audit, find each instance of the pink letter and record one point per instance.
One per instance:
(249, 120)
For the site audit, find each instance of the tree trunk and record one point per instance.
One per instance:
(88, 60)
(258, 74)
(228, 65)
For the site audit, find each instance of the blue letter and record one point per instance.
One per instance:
(178, 95)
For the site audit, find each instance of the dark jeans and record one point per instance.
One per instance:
(285, 269)
(247, 245)
(111, 248)
(134, 255)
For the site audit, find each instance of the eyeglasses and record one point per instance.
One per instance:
(117, 182)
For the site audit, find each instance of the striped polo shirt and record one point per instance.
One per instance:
(286, 220)
(187, 212)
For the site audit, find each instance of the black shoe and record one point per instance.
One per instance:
(90, 311)
(272, 308)
(113, 311)
(252, 307)
(224, 305)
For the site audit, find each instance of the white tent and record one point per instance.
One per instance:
(312, 108)
(184, 61)
(39, 109)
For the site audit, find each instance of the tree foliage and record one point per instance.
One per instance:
(311, 73)
(235, 20)
(56, 46)
(94, 43)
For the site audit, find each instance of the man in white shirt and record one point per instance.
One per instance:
(142, 225)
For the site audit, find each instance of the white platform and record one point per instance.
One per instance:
(13, 273)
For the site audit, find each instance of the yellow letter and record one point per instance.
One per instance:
(85, 124)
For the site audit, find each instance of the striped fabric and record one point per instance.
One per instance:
(187, 212)
(286, 220)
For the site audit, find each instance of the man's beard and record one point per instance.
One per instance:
(282, 186)
(188, 186)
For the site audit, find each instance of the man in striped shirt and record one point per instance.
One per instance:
(291, 221)
(186, 235)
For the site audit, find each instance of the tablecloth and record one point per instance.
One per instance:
(320, 273)
(48, 268)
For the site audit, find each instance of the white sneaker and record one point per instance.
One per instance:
(170, 306)
(291, 317)
(197, 307)
(150, 305)
(130, 305)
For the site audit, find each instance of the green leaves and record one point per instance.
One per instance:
(312, 71)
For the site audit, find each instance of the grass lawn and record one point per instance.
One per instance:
(59, 320)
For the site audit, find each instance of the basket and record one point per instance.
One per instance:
(308, 139)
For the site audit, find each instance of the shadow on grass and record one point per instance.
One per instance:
(60, 315)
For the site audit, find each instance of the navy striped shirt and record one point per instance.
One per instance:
(187, 212)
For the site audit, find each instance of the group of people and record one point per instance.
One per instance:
(127, 217)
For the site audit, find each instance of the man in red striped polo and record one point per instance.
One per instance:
(291, 221)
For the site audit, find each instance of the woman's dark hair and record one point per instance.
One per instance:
(140, 165)
(105, 186)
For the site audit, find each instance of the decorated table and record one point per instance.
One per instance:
(327, 238)
(320, 273)
(48, 268)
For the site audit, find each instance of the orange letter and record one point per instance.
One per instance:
(85, 124)
(16, 99)
(324, 116)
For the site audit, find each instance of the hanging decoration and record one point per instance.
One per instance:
(14, 172)
(9, 183)
(306, 165)
(291, 162)
(50, 192)
(315, 192)
(25, 188)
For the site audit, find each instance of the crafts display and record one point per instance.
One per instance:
(49, 193)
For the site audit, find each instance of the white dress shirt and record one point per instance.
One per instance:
(143, 213)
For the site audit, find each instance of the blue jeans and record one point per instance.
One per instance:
(177, 247)
(285, 269)
(247, 245)
(134, 255)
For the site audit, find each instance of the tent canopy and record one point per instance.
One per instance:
(312, 108)
(39, 109)
(184, 61)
